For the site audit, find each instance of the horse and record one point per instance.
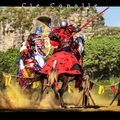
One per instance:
(30, 62)
(62, 66)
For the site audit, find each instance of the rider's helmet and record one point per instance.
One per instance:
(36, 34)
(63, 23)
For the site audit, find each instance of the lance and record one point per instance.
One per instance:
(88, 22)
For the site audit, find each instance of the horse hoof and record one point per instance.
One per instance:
(64, 106)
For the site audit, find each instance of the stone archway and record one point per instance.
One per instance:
(43, 21)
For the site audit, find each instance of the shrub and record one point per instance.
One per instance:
(102, 56)
(8, 61)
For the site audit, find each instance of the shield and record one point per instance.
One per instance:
(47, 21)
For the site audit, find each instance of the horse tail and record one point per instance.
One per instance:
(53, 74)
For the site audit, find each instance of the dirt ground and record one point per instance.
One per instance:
(12, 99)
(72, 109)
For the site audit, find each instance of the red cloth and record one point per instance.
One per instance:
(63, 34)
(56, 86)
(65, 62)
(54, 43)
(114, 90)
(26, 51)
(22, 82)
(29, 62)
(27, 44)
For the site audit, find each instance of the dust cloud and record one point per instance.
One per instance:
(12, 97)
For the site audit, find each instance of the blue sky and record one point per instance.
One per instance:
(112, 16)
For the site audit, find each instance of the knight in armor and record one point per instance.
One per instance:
(62, 40)
(32, 48)
(31, 59)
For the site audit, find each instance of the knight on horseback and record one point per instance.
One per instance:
(61, 40)
(31, 59)
(66, 62)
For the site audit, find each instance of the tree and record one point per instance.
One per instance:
(102, 56)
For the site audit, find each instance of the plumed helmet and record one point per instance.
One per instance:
(63, 23)
(38, 30)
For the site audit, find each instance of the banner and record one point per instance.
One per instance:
(7, 78)
(113, 89)
(70, 89)
(101, 90)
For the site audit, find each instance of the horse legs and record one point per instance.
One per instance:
(61, 92)
(64, 87)
(43, 88)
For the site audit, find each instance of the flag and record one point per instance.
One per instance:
(7, 78)
(70, 90)
(36, 84)
(113, 89)
(101, 89)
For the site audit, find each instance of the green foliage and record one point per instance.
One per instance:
(102, 56)
(8, 61)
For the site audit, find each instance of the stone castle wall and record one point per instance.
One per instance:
(12, 38)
